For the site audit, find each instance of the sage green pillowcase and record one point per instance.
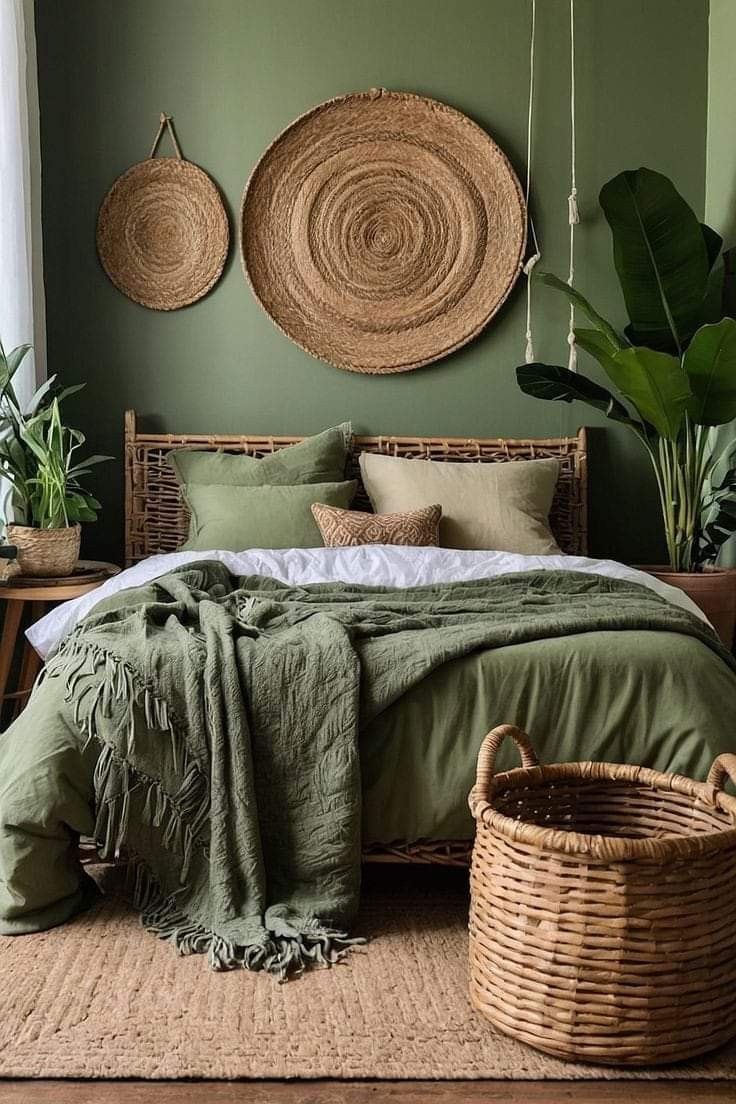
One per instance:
(235, 518)
(319, 459)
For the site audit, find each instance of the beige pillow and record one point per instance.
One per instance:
(503, 506)
(340, 528)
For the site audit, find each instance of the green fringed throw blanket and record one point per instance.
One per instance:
(215, 724)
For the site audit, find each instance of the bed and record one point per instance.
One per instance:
(671, 714)
(242, 725)
(157, 520)
(634, 688)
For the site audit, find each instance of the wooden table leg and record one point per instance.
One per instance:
(30, 667)
(31, 663)
(11, 623)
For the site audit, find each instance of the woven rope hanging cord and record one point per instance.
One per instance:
(165, 121)
(162, 230)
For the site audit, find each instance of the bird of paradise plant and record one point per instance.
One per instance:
(674, 365)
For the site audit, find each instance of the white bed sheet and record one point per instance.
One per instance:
(375, 565)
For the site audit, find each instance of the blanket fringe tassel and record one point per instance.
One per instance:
(282, 956)
(285, 953)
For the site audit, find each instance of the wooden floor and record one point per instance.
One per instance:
(367, 1092)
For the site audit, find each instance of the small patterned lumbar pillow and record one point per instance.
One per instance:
(340, 528)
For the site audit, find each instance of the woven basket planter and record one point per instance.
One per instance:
(46, 553)
(603, 907)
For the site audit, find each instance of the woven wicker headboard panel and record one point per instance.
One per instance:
(156, 519)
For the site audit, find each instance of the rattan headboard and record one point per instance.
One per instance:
(156, 519)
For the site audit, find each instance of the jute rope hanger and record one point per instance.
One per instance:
(573, 216)
(166, 121)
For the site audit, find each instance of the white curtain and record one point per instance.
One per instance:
(22, 316)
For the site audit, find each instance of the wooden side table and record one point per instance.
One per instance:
(41, 594)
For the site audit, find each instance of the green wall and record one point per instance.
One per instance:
(720, 186)
(720, 181)
(233, 73)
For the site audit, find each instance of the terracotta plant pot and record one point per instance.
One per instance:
(713, 590)
(46, 553)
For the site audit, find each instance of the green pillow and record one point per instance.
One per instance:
(236, 518)
(319, 459)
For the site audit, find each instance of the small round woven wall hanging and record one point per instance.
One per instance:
(162, 230)
(382, 230)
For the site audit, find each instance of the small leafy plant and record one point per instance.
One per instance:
(674, 366)
(38, 454)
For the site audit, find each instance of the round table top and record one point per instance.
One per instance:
(87, 575)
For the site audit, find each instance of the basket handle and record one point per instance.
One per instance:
(487, 760)
(724, 766)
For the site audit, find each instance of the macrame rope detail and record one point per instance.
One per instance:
(529, 266)
(573, 216)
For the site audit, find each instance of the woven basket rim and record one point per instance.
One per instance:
(42, 529)
(599, 846)
(453, 346)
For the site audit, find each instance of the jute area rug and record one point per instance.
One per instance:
(102, 998)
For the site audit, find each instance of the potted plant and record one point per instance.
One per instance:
(674, 371)
(38, 459)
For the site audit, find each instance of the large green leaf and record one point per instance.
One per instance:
(653, 382)
(38, 396)
(727, 483)
(657, 386)
(595, 344)
(550, 381)
(713, 243)
(710, 363)
(71, 390)
(15, 358)
(661, 257)
(9, 365)
(605, 328)
(720, 525)
(88, 462)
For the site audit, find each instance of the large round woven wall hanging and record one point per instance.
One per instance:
(162, 230)
(382, 230)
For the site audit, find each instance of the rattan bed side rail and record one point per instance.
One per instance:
(156, 518)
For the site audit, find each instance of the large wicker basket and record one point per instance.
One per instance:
(603, 911)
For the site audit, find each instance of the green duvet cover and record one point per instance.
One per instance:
(662, 700)
(219, 733)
